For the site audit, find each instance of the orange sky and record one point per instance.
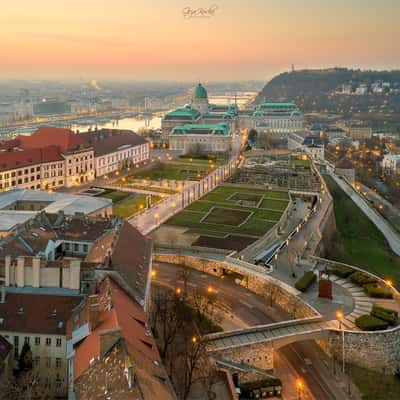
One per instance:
(252, 39)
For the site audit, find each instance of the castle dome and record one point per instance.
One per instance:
(199, 92)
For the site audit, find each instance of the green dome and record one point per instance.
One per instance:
(199, 92)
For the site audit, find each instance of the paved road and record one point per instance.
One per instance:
(247, 309)
(392, 237)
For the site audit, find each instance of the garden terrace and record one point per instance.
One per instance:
(231, 217)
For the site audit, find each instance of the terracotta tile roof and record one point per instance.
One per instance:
(25, 158)
(108, 141)
(37, 313)
(63, 138)
(131, 258)
(118, 310)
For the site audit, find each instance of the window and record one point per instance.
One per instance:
(58, 342)
(26, 339)
(76, 247)
(85, 248)
(37, 341)
(16, 343)
(48, 341)
(48, 362)
(58, 363)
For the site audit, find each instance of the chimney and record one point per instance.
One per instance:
(94, 311)
(108, 339)
(3, 295)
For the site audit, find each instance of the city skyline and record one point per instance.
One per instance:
(134, 41)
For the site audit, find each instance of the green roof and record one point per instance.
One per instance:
(276, 104)
(202, 129)
(185, 113)
(199, 92)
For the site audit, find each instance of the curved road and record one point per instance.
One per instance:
(305, 359)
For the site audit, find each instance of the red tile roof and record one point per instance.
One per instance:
(37, 313)
(118, 310)
(24, 158)
(65, 139)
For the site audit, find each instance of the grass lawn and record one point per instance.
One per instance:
(225, 215)
(375, 386)
(363, 244)
(301, 163)
(131, 206)
(188, 160)
(173, 171)
(115, 195)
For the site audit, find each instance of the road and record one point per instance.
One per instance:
(392, 237)
(302, 360)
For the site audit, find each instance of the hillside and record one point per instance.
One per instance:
(290, 85)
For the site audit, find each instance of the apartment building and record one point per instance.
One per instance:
(48, 159)
(115, 149)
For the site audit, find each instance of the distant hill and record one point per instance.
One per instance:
(291, 85)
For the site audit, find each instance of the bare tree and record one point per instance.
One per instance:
(166, 319)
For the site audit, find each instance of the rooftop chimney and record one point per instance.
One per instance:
(94, 311)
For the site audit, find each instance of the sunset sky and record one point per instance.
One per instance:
(151, 40)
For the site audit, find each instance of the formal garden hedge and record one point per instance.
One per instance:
(305, 281)
(341, 271)
(370, 323)
(377, 291)
(385, 314)
(360, 278)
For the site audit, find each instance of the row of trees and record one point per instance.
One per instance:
(178, 320)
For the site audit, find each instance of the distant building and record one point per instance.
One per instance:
(278, 117)
(115, 149)
(314, 147)
(201, 138)
(334, 133)
(360, 132)
(51, 107)
(391, 163)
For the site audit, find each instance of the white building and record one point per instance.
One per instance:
(278, 117)
(391, 163)
(115, 149)
(201, 138)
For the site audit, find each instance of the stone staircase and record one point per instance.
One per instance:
(362, 303)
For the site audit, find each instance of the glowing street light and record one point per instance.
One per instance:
(178, 291)
(194, 339)
(153, 273)
(389, 282)
(300, 387)
(340, 316)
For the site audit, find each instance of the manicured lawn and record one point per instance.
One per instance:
(363, 244)
(228, 220)
(272, 204)
(301, 163)
(373, 385)
(251, 197)
(115, 195)
(174, 172)
(131, 206)
(226, 216)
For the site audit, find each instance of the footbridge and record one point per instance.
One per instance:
(255, 346)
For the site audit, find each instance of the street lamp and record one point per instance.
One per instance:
(339, 316)
(153, 273)
(300, 387)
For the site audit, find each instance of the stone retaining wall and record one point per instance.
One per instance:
(377, 351)
(283, 296)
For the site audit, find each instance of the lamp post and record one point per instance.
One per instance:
(300, 387)
(339, 315)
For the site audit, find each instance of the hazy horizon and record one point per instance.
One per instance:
(132, 41)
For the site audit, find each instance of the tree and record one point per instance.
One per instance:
(25, 358)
